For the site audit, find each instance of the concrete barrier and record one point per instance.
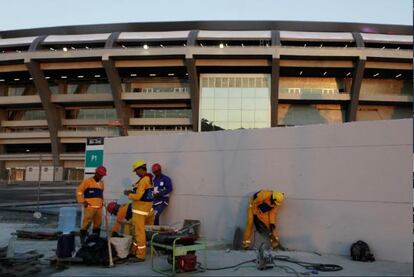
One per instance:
(343, 182)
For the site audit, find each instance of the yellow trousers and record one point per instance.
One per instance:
(92, 215)
(265, 219)
(139, 221)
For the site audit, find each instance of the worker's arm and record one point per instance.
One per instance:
(120, 218)
(117, 226)
(143, 184)
(80, 190)
(272, 216)
(167, 186)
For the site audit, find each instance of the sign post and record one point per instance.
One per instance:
(93, 154)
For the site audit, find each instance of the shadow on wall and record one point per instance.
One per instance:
(302, 115)
(126, 184)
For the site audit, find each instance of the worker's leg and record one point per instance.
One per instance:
(140, 239)
(158, 209)
(86, 223)
(274, 239)
(149, 219)
(273, 234)
(248, 231)
(97, 221)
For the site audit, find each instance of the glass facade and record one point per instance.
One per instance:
(112, 131)
(97, 114)
(89, 88)
(15, 90)
(164, 113)
(162, 90)
(34, 115)
(234, 101)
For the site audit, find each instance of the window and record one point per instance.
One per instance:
(164, 113)
(34, 115)
(97, 114)
(16, 90)
(234, 101)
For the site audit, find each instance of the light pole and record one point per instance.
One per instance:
(38, 214)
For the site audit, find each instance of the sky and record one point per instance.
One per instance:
(25, 14)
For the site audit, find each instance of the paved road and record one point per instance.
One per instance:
(24, 194)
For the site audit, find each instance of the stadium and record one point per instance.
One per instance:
(62, 85)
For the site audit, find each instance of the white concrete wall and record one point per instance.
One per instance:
(343, 182)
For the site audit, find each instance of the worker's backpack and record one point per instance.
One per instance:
(65, 246)
(360, 252)
(95, 251)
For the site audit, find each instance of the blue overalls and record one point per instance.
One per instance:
(162, 186)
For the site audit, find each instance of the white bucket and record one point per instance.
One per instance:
(122, 245)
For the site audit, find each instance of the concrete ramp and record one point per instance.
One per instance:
(343, 182)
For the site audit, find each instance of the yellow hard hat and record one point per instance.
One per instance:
(138, 163)
(278, 197)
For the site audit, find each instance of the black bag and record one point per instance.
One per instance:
(65, 246)
(95, 251)
(360, 252)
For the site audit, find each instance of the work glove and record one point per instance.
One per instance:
(157, 195)
(272, 227)
(127, 192)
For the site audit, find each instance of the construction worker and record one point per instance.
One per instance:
(90, 194)
(142, 199)
(162, 189)
(262, 213)
(123, 215)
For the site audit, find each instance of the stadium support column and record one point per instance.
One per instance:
(274, 91)
(274, 83)
(357, 76)
(194, 90)
(116, 88)
(51, 110)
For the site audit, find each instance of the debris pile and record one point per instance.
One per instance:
(20, 264)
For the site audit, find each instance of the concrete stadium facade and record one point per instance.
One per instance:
(60, 85)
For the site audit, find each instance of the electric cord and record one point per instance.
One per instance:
(287, 269)
(226, 267)
(309, 266)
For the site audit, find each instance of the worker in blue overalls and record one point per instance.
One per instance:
(162, 189)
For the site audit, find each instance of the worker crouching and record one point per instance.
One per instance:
(123, 215)
(90, 194)
(142, 200)
(262, 212)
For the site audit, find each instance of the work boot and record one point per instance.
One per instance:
(83, 236)
(96, 232)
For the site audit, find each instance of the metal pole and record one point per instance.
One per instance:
(38, 187)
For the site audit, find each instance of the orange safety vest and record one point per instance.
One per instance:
(91, 192)
(142, 196)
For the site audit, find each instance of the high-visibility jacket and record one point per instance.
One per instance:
(142, 195)
(123, 215)
(262, 203)
(91, 192)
